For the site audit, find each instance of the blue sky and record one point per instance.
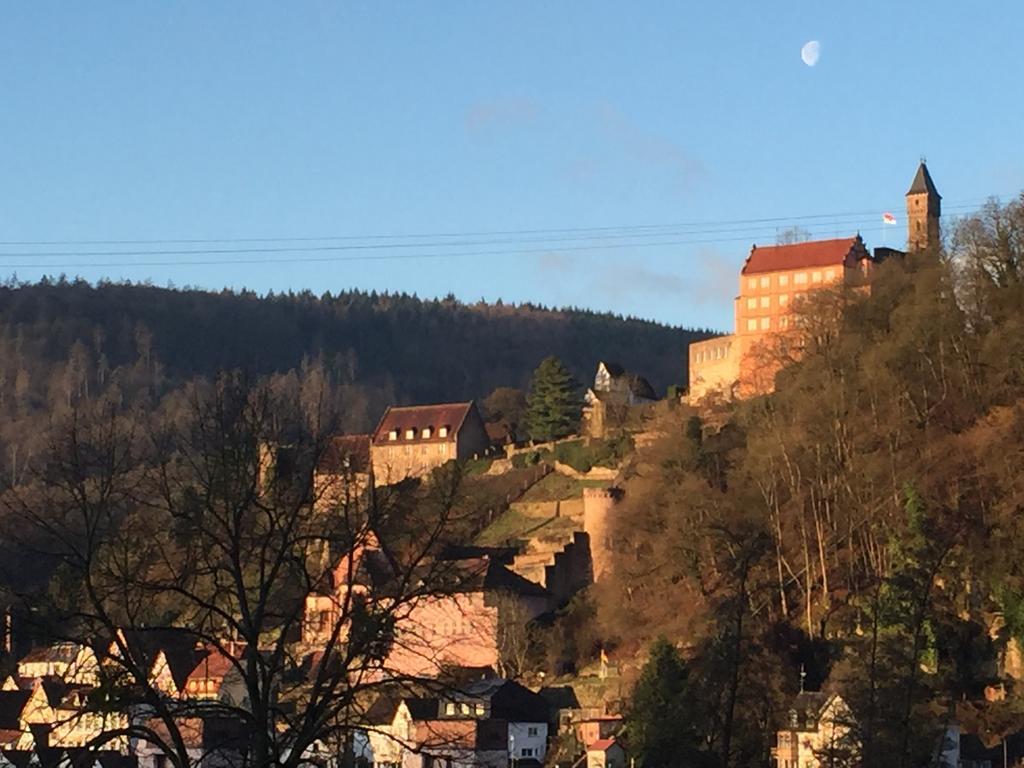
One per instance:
(439, 120)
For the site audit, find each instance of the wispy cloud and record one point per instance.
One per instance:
(705, 278)
(487, 114)
(650, 150)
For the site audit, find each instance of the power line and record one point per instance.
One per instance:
(370, 257)
(749, 233)
(636, 230)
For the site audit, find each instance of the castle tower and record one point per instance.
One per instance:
(598, 511)
(924, 206)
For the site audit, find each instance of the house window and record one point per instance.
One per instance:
(478, 710)
(527, 752)
(442, 432)
(449, 708)
(752, 324)
(532, 730)
(783, 299)
(752, 283)
(766, 281)
(393, 434)
(766, 323)
(830, 274)
(464, 708)
(816, 277)
(783, 280)
(425, 434)
(800, 278)
(766, 301)
(751, 303)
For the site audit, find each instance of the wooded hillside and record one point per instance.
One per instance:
(61, 342)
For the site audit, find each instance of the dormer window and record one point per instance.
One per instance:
(410, 434)
(393, 434)
(426, 433)
(442, 431)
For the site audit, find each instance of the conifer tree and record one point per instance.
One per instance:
(553, 404)
(659, 726)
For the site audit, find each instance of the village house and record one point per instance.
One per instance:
(591, 729)
(606, 753)
(776, 279)
(463, 624)
(489, 722)
(412, 440)
(70, 662)
(606, 403)
(819, 730)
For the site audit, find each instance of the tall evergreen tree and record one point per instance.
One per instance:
(659, 725)
(553, 404)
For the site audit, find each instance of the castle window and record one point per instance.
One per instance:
(816, 277)
(830, 274)
(766, 323)
(425, 434)
(766, 301)
(752, 324)
(393, 434)
(783, 280)
(752, 283)
(751, 303)
(783, 299)
(800, 278)
(410, 434)
(765, 282)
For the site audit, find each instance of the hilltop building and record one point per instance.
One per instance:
(820, 730)
(615, 390)
(774, 279)
(412, 440)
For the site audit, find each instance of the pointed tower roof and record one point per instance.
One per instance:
(923, 182)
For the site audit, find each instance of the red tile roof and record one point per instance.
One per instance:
(418, 417)
(601, 745)
(815, 253)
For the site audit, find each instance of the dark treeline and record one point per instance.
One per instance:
(65, 342)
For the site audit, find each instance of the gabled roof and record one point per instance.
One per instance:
(923, 183)
(177, 645)
(807, 708)
(57, 653)
(846, 251)
(418, 417)
(614, 369)
(482, 574)
(602, 745)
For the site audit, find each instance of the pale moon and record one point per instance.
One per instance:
(810, 53)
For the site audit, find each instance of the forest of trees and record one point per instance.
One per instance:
(63, 343)
(862, 523)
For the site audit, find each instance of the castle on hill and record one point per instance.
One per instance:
(775, 279)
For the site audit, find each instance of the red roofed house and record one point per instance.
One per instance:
(412, 440)
(773, 280)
